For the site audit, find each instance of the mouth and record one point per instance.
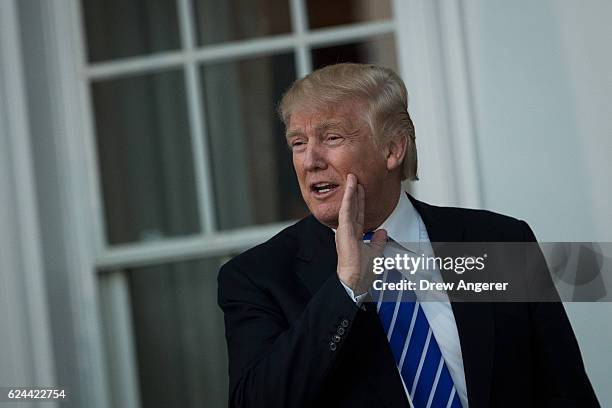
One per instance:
(323, 189)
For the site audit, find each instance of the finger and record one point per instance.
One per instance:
(360, 205)
(345, 214)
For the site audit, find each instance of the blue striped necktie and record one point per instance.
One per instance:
(415, 349)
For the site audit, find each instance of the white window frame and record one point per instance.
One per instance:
(211, 241)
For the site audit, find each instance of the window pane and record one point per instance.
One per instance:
(179, 335)
(378, 50)
(145, 157)
(231, 20)
(126, 28)
(325, 13)
(253, 174)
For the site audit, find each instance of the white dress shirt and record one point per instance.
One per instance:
(406, 227)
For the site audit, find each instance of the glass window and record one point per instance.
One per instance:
(378, 50)
(254, 180)
(325, 13)
(146, 162)
(179, 334)
(232, 20)
(127, 28)
(145, 157)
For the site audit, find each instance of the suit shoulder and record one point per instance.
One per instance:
(483, 225)
(472, 215)
(281, 248)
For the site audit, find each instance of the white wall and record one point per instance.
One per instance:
(541, 81)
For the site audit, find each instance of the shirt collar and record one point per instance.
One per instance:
(403, 224)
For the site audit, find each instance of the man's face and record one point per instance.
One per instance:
(327, 145)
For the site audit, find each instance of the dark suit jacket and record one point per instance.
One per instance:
(283, 302)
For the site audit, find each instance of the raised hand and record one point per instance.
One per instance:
(354, 258)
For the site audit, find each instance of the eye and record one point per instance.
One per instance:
(333, 138)
(296, 144)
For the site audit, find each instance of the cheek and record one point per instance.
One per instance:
(371, 180)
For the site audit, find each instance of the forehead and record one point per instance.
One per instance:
(347, 114)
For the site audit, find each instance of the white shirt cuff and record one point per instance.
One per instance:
(357, 299)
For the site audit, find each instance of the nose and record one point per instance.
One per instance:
(314, 158)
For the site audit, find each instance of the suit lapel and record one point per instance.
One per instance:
(317, 252)
(475, 321)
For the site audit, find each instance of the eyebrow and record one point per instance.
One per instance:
(293, 133)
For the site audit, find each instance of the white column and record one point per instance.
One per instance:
(434, 65)
(25, 341)
(65, 173)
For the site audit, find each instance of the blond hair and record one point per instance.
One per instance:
(382, 91)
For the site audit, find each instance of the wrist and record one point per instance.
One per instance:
(357, 284)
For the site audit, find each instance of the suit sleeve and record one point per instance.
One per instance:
(562, 379)
(273, 363)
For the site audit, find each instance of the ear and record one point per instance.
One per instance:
(396, 150)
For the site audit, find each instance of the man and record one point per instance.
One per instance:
(298, 330)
